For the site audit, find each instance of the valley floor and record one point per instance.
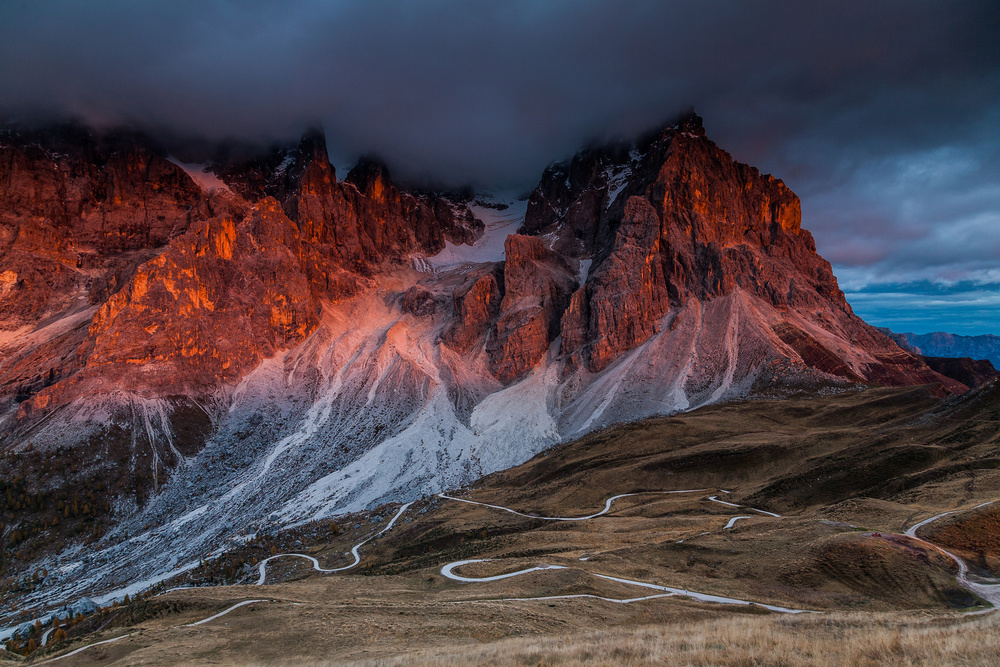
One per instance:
(642, 544)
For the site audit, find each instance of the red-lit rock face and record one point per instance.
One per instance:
(680, 220)
(476, 304)
(537, 287)
(284, 344)
(175, 290)
(118, 272)
(217, 301)
(356, 224)
(93, 208)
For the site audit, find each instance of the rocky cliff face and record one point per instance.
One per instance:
(537, 287)
(76, 213)
(298, 346)
(125, 285)
(674, 219)
(356, 224)
(193, 287)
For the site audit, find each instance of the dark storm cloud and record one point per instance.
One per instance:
(884, 117)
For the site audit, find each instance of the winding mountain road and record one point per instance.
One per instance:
(223, 613)
(84, 648)
(987, 591)
(912, 530)
(448, 571)
(607, 505)
(752, 509)
(111, 641)
(262, 568)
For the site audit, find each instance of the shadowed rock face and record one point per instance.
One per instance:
(476, 304)
(970, 372)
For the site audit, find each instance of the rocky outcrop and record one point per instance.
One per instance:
(163, 288)
(674, 218)
(629, 291)
(476, 304)
(537, 288)
(79, 214)
(77, 211)
(201, 314)
(356, 224)
(534, 273)
(970, 372)
(574, 325)
(513, 310)
(418, 301)
(520, 339)
(180, 311)
(112, 193)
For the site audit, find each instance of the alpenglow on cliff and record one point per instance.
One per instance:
(286, 346)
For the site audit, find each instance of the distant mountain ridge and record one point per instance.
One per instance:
(941, 344)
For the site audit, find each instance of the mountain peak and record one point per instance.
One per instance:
(690, 123)
(370, 175)
(292, 327)
(671, 225)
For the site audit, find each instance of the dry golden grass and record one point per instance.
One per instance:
(769, 641)
(849, 473)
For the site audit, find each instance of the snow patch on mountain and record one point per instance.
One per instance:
(490, 246)
(617, 176)
(201, 174)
